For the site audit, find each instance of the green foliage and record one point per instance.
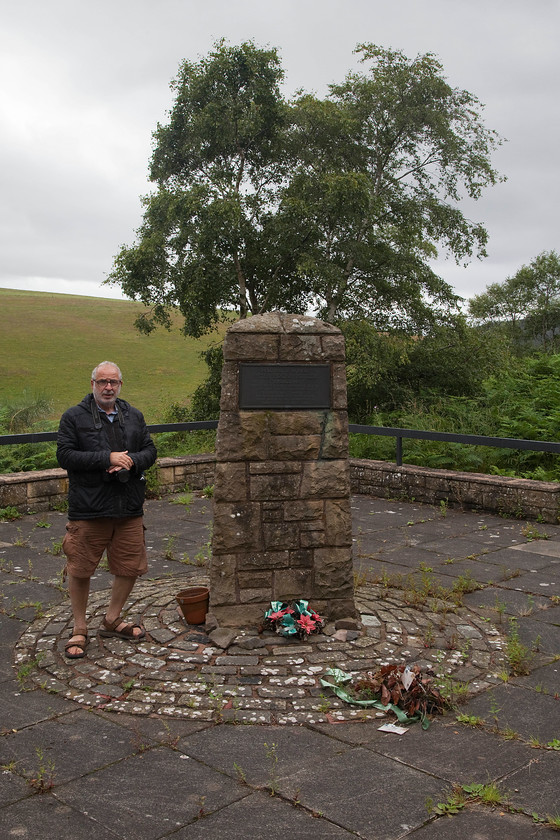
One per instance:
(337, 205)
(8, 514)
(386, 371)
(383, 162)
(209, 241)
(527, 304)
(521, 401)
(26, 412)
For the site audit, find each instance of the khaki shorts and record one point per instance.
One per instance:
(123, 539)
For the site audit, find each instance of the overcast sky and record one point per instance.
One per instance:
(85, 83)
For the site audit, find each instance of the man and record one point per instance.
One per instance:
(104, 445)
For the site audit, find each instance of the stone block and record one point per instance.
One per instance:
(339, 608)
(338, 522)
(301, 557)
(13, 494)
(313, 539)
(280, 535)
(166, 475)
(230, 481)
(294, 447)
(41, 489)
(280, 486)
(236, 526)
(339, 394)
(296, 422)
(272, 514)
(273, 467)
(325, 479)
(333, 572)
(255, 579)
(335, 436)
(240, 615)
(293, 583)
(252, 596)
(242, 436)
(334, 347)
(303, 509)
(222, 589)
(260, 347)
(258, 561)
(229, 395)
(298, 347)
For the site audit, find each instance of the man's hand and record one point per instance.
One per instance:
(120, 461)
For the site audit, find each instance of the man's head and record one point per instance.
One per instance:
(106, 381)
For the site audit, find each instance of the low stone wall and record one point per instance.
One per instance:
(47, 489)
(518, 497)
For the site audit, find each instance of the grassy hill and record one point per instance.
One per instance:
(49, 344)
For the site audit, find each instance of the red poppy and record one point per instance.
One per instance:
(306, 624)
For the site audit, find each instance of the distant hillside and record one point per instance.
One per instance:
(49, 344)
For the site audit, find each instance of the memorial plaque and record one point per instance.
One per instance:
(288, 387)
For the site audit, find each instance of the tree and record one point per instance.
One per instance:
(208, 241)
(385, 371)
(384, 162)
(335, 206)
(528, 303)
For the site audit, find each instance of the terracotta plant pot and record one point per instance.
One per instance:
(194, 603)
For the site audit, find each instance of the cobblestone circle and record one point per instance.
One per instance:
(177, 672)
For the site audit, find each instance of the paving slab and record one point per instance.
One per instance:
(495, 600)
(517, 559)
(19, 708)
(481, 823)
(152, 794)
(545, 680)
(6, 664)
(45, 817)
(72, 745)
(544, 548)
(481, 570)
(447, 750)
(258, 754)
(550, 614)
(535, 787)
(529, 713)
(155, 731)
(539, 635)
(459, 547)
(12, 787)
(536, 582)
(261, 815)
(10, 630)
(366, 793)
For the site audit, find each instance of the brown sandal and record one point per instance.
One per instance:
(109, 630)
(80, 645)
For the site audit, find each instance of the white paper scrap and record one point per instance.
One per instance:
(392, 727)
(407, 678)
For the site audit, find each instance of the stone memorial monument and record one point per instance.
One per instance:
(282, 519)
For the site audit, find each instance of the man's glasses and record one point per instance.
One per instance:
(104, 382)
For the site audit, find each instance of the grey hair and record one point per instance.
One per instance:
(112, 364)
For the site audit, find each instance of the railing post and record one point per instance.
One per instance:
(399, 451)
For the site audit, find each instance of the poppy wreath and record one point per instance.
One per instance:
(292, 618)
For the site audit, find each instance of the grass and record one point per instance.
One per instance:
(72, 333)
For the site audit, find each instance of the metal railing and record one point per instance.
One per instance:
(450, 437)
(382, 431)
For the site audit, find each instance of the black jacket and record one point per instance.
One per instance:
(84, 444)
